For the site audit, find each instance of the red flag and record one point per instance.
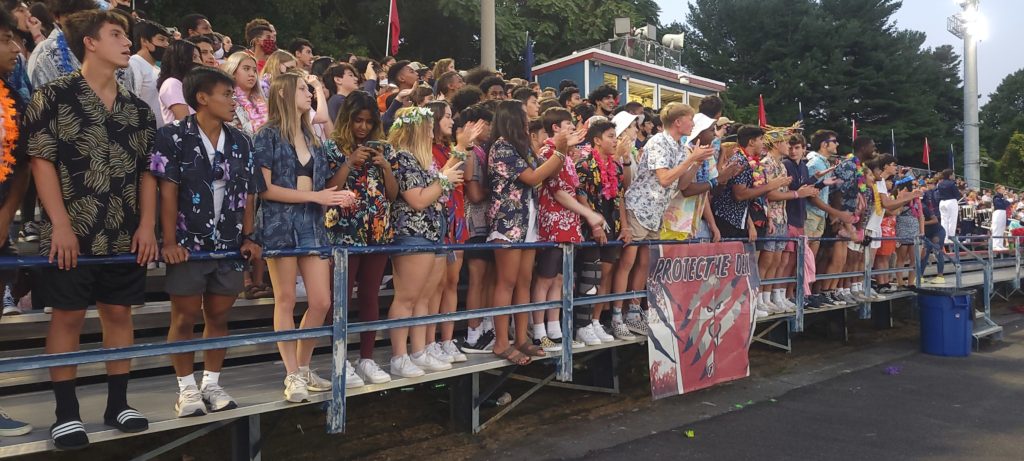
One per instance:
(854, 130)
(394, 29)
(762, 118)
(924, 157)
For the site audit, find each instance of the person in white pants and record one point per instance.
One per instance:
(999, 206)
(948, 195)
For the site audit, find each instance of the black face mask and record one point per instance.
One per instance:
(158, 52)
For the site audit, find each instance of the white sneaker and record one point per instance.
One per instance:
(352, 379)
(453, 351)
(295, 388)
(190, 402)
(368, 370)
(435, 350)
(588, 336)
(429, 363)
(576, 344)
(216, 399)
(601, 334)
(784, 304)
(403, 367)
(770, 307)
(314, 383)
(760, 314)
(620, 331)
(12, 310)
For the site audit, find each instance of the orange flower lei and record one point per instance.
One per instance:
(10, 127)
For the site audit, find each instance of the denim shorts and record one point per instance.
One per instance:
(303, 228)
(415, 240)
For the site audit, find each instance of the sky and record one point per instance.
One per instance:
(998, 56)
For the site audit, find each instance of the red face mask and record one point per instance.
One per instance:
(269, 45)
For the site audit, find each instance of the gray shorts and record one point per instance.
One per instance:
(200, 277)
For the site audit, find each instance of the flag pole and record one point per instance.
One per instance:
(893, 135)
(387, 46)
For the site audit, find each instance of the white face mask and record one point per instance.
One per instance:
(219, 54)
(383, 82)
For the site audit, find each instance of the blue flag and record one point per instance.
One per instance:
(528, 58)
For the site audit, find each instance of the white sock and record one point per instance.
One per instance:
(418, 355)
(634, 312)
(857, 287)
(473, 334)
(487, 324)
(596, 323)
(539, 331)
(616, 315)
(304, 369)
(185, 381)
(766, 297)
(554, 329)
(210, 377)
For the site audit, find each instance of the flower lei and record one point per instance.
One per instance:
(413, 115)
(609, 177)
(861, 182)
(65, 53)
(257, 117)
(10, 132)
(755, 164)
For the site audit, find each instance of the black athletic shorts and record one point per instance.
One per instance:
(486, 255)
(78, 288)
(549, 262)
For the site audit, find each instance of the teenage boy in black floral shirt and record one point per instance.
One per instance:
(89, 139)
(207, 203)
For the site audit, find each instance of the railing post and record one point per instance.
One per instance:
(918, 267)
(1016, 262)
(956, 262)
(568, 282)
(799, 268)
(339, 343)
(864, 311)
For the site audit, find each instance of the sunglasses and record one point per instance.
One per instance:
(218, 167)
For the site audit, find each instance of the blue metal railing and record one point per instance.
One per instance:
(340, 328)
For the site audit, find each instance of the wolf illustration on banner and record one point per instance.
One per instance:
(704, 324)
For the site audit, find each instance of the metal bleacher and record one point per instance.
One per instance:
(253, 373)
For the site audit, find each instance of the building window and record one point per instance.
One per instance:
(611, 80)
(695, 100)
(641, 92)
(669, 95)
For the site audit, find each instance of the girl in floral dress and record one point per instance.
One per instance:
(360, 161)
(418, 219)
(513, 219)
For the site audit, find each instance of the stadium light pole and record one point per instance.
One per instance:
(487, 53)
(970, 26)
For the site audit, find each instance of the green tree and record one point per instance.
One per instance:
(1012, 163)
(431, 29)
(843, 60)
(1003, 115)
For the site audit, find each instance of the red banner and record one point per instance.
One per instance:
(704, 322)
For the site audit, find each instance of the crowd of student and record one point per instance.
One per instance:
(140, 139)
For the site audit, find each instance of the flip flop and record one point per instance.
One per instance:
(531, 351)
(513, 355)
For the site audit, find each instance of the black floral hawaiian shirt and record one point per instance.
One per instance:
(179, 156)
(99, 156)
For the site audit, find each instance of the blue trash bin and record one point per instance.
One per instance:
(946, 321)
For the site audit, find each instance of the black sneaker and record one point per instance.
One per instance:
(812, 302)
(484, 345)
(830, 300)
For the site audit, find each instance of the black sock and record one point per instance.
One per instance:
(67, 401)
(117, 395)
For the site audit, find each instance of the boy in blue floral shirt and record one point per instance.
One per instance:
(207, 203)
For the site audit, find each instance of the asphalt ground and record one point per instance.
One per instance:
(916, 407)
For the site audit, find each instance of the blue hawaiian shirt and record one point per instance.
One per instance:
(275, 221)
(179, 156)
